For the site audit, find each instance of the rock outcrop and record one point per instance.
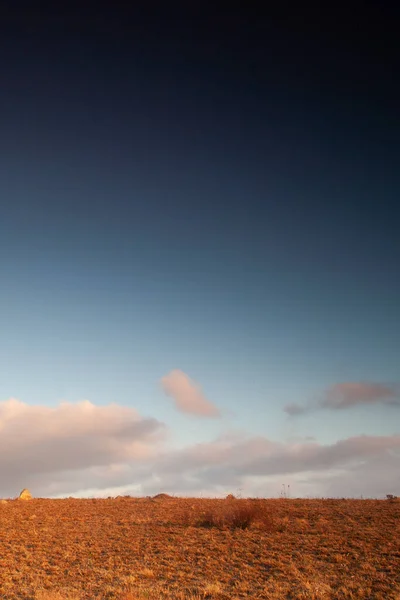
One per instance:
(25, 495)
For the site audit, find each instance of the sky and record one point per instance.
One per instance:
(199, 252)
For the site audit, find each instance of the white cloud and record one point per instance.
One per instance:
(41, 442)
(188, 395)
(257, 465)
(88, 450)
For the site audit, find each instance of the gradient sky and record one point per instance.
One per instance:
(201, 196)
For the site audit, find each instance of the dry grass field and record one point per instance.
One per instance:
(136, 548)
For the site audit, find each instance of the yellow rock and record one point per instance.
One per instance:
(25, 495)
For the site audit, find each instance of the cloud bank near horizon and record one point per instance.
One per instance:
(38, 443)
(87, 450)
(342, 396)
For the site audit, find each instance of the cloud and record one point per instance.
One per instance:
(188, 395)
(261, 456)
(87, 450)
(344, 395)
(39, 441)
(294, 409)
(348, 394)
(259, 465)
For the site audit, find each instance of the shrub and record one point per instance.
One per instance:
(235, 514)
(391, 497)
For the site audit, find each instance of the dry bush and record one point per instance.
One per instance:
(234, 514)
(391, 497)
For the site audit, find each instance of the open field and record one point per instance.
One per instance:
(134, 548)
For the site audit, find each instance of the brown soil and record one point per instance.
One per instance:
(189, 548)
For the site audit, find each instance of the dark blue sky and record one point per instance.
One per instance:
(216, 193)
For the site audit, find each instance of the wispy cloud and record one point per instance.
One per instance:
(294, 409)
(348, 394)
(188, 395)
(344, 395)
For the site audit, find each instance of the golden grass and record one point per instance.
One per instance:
(192, 549)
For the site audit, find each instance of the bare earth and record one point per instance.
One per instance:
(134, 548)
